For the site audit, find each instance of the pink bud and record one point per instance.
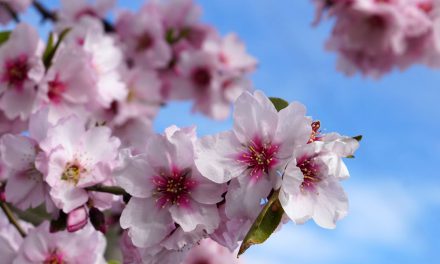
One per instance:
(77, 219)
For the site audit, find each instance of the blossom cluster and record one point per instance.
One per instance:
(77, 148)
(374, 37)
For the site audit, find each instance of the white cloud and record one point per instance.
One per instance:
(384, 217)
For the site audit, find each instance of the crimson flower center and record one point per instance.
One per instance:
(310, 170)
(174, 188)
(144, 42)
(16, 71)
(259, 157)
(201, 77)
(56, 89)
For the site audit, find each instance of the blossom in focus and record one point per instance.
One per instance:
(254, 152)
(21, 69)
(311, 188)
(168, 190)
(83, 246)
(78, 158)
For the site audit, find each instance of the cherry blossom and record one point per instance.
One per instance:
(167, 189)
(375, 37)
(252, 154)
(311, 187)
(21, 69)
(62, 247)
(77, 158)
(143, 37)
(21, 157)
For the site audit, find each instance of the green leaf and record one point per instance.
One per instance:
(279, 103)
(49, 46)
(51, 50)
(350, 157)
(358, 138)
(112, 261)
(265, 224)
(4, 36)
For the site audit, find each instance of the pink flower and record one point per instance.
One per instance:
(168, 189)
(143, 37)
(69, 85)
(134, 134)
(77, 158)
(77, 219)
(374, 37)
(41, 246)
(11, 126)
(104, 60)
(18, 6)
(254, 153)
(232, 53)
(21, 157)
(25, 187)
(209, 252)
(310, 187)
(200, 78)
(180, 14)
(21, 69)
(232, 231)
(143, 99)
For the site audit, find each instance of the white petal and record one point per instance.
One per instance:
(216, 157)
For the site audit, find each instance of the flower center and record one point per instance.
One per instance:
(54, 258)
(144, 42)
(259, 157)
(201, 77)
(56, 89)
(311, 171)
(376, 22)
(174, 188)
(16, 71)
(72, 173)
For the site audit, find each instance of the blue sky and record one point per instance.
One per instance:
(394, 190)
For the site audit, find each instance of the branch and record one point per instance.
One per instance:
(10, 11)
(107, 189)
(12, 219)
(44, 11)
(47, 14)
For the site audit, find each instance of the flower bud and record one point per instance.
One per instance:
(77, 219)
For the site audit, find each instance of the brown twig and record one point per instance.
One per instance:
(12, 219)
(44, 11)
(10, 11)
